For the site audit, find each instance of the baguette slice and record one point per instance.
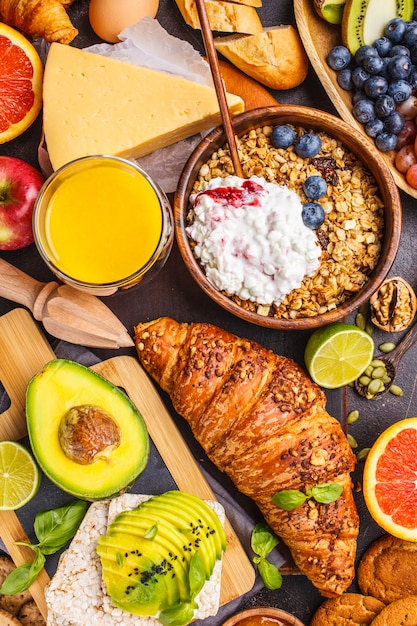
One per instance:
(276, 57)
(223, 16)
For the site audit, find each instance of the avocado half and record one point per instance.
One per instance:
(86, 434)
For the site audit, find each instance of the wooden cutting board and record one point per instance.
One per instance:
(23, 353)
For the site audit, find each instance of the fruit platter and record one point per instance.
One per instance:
(176, 462)
(319, 38)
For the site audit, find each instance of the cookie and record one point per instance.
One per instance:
(350, 609)
(388, 569)
(7, 619)
(30, 615)
(402, 612)
(13, 603)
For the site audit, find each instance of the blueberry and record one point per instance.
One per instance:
(315, 187)
(359, 76)
(375, 86)
(383, 46)
(400, 90)
(386, 141)
(412, 79)
(374, 127)
(410, 35)
(339, 58)
(307, 145)
(373, 64)
(364, 111)
(399, 49)
(344, 79)
(384, 106)
(358, 94)
(394, 123)
(282, 136)
(395, 29)
(363, 52)
(313, 215)
(399, 66)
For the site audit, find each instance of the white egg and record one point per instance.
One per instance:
(109, 17)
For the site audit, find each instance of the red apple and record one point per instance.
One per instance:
(19, 186)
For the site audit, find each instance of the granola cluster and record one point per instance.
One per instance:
(351, 235)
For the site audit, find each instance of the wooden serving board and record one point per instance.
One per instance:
(319, 37)
(23, 353)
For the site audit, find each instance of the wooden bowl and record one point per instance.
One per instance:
(316, 120)
(259, 616)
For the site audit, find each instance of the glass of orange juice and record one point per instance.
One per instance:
(101, 224)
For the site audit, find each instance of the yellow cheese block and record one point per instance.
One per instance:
(97, 105)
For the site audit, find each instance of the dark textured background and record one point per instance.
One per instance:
(174, 293)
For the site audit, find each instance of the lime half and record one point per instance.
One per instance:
(19, 476)
(338, 354)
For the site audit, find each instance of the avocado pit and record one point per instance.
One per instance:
(87, 433)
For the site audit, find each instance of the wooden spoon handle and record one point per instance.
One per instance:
(18, 287)
(409, 339)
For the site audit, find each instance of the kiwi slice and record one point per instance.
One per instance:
(330, 10)
(364, 21)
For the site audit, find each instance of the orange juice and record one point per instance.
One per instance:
(102, 221)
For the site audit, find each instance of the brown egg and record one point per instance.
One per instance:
(108, 18)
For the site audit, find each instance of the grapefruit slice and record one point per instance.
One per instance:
(390, 480)
(21, 74)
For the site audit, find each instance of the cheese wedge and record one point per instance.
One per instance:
(223, 16)
(97, 105)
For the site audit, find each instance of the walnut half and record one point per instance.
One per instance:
(393, 306)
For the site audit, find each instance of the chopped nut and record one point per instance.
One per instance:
(393, 306)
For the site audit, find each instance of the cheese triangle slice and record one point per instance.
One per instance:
(97, 105)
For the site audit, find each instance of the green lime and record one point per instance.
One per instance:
(19, 476)
(337, 354)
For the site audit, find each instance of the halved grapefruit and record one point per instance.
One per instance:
(390, 480)
(21, 74)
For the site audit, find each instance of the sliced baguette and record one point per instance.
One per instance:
(223, 16)
(276, 57)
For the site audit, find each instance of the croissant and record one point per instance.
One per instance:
(263, 422)
(40, 18)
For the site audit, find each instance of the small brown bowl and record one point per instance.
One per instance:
(259, 617)
(357, 144)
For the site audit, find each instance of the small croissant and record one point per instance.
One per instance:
(40, 18)
(263, 422)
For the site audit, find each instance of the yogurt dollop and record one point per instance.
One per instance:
(251, 240)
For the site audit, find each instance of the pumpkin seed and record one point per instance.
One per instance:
(362, 454)
(352, 416)
(352, 441)
(375, 386)
(386, 347)
(396, 390)
(379, 371)
(360, 321)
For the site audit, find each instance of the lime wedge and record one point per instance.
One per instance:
(19, 476)
(338, 354)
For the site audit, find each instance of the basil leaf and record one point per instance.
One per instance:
(56, 527)
(289, 499)
(22, 577)
(270, 574)
(197, 575)
(178, 615)
(263, 540)
(326, 492)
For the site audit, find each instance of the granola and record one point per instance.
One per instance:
(351, 235)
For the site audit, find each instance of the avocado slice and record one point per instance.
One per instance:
(154, 557)
(364, 21)
(137, 575)
(86, 434)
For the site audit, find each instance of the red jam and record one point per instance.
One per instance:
(246, 195)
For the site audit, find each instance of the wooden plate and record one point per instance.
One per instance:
(319, 38)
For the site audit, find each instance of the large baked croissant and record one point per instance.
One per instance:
(40, 18)
(262, 421)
